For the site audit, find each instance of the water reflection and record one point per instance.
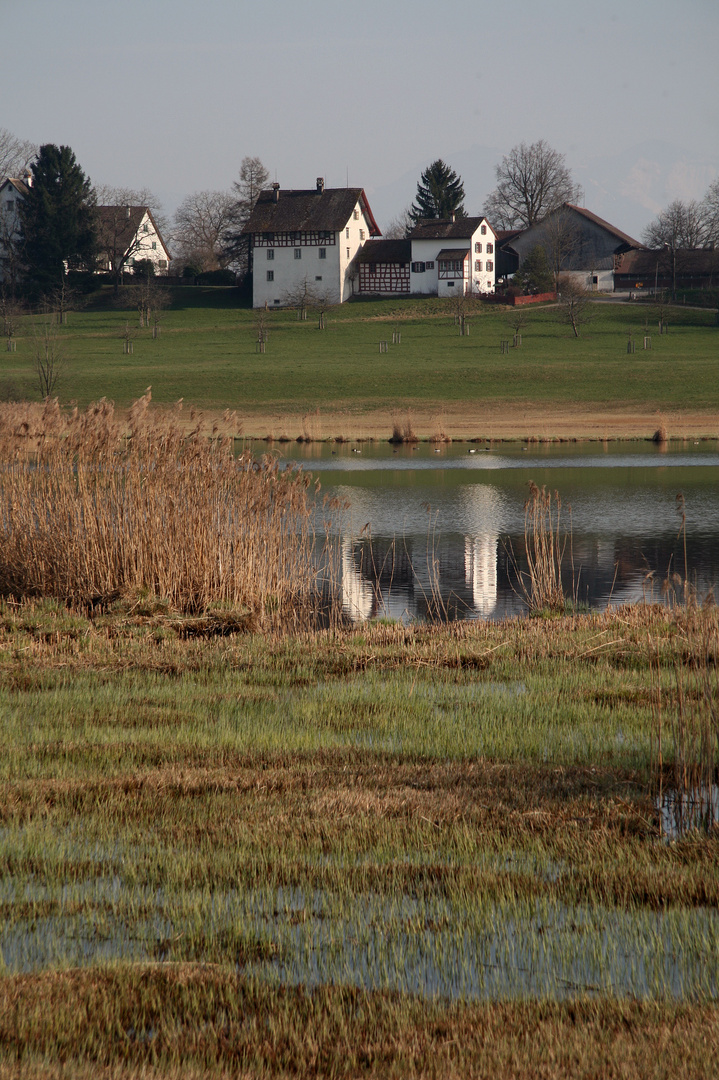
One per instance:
(425, 533)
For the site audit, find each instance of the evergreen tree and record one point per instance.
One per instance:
(440, 193)
(535, 274)
(57, 218)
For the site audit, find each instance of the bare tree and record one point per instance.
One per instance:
(681, 227)
(531, 182)
(710, 204)
(253, 179)
(15, 154)
(150, 299)
(11, 312)
(202, 222)
(400, 226)
(48, 355)
(574, 303)
(306, 296)
(561, 239)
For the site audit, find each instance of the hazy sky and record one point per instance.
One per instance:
(171, 94)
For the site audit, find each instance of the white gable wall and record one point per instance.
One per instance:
(425, 251)
(149, 246)
(289, 270)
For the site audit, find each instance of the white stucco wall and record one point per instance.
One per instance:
(425, 251)
(145, 250)
(335, 269)
(9, 219)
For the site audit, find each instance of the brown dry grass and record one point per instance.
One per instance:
(194, 1020)
(90, 513)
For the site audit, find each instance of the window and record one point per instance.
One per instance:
(163, 264)
(490, 265)
(429, 266)
(478, 248)
(356, 215)
(490, 248)
(298, 253)
(145, 227)
(275, 301)
(348, 254)
(450, 284)
(270, 253)
(269, 237)
(323, 253)
(270, 275)
(595, 279)
(361, 234)
(483, 230)
(478, 265)
(347, 233)
(318, 277)
(418, 267)
(372, 268)
(154, 246)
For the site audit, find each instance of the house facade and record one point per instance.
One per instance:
(451, 256)
(307, 239)
(12, 192)
(128, 235)
(441, 257)
(578, 244)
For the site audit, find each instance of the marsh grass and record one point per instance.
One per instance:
(390, 817)
(91, 513)
(685, 738)
(545, 545)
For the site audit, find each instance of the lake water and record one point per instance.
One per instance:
(447, 523)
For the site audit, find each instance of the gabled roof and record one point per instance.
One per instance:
(19, 185)
(623, 237)
(119, 225)
(506, 236)
(645, 261)
(328, 210)
(447, 254)
(386, 251)
(446, 229)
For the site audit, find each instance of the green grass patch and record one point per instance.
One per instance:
(206, 354)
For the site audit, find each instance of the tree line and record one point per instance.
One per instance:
(60, 227)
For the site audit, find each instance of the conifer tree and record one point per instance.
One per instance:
(440, 193)
(57, 218)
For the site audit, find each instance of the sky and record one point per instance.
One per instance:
(172, 94)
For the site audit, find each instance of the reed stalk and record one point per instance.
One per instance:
(91, 513)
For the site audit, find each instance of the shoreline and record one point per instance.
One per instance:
(496, 423)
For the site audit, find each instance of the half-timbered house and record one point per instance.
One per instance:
(451, 255)
(383, 268)
(306, 238)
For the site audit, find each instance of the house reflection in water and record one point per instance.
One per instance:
(480, 572)
(423, 571)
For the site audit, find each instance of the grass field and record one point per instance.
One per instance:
(206, 354)
(399, 851)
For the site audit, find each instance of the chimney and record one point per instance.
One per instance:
(320, 184)
(27, 177)
(276, 191)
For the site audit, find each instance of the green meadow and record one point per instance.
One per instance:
(206, 354)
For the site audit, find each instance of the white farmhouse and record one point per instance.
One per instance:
(128, 235)
(450, 255)
(12, 191)
(307, 238)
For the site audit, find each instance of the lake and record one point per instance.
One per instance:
(445, 524)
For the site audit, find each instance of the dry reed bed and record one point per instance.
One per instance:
(90, 513)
